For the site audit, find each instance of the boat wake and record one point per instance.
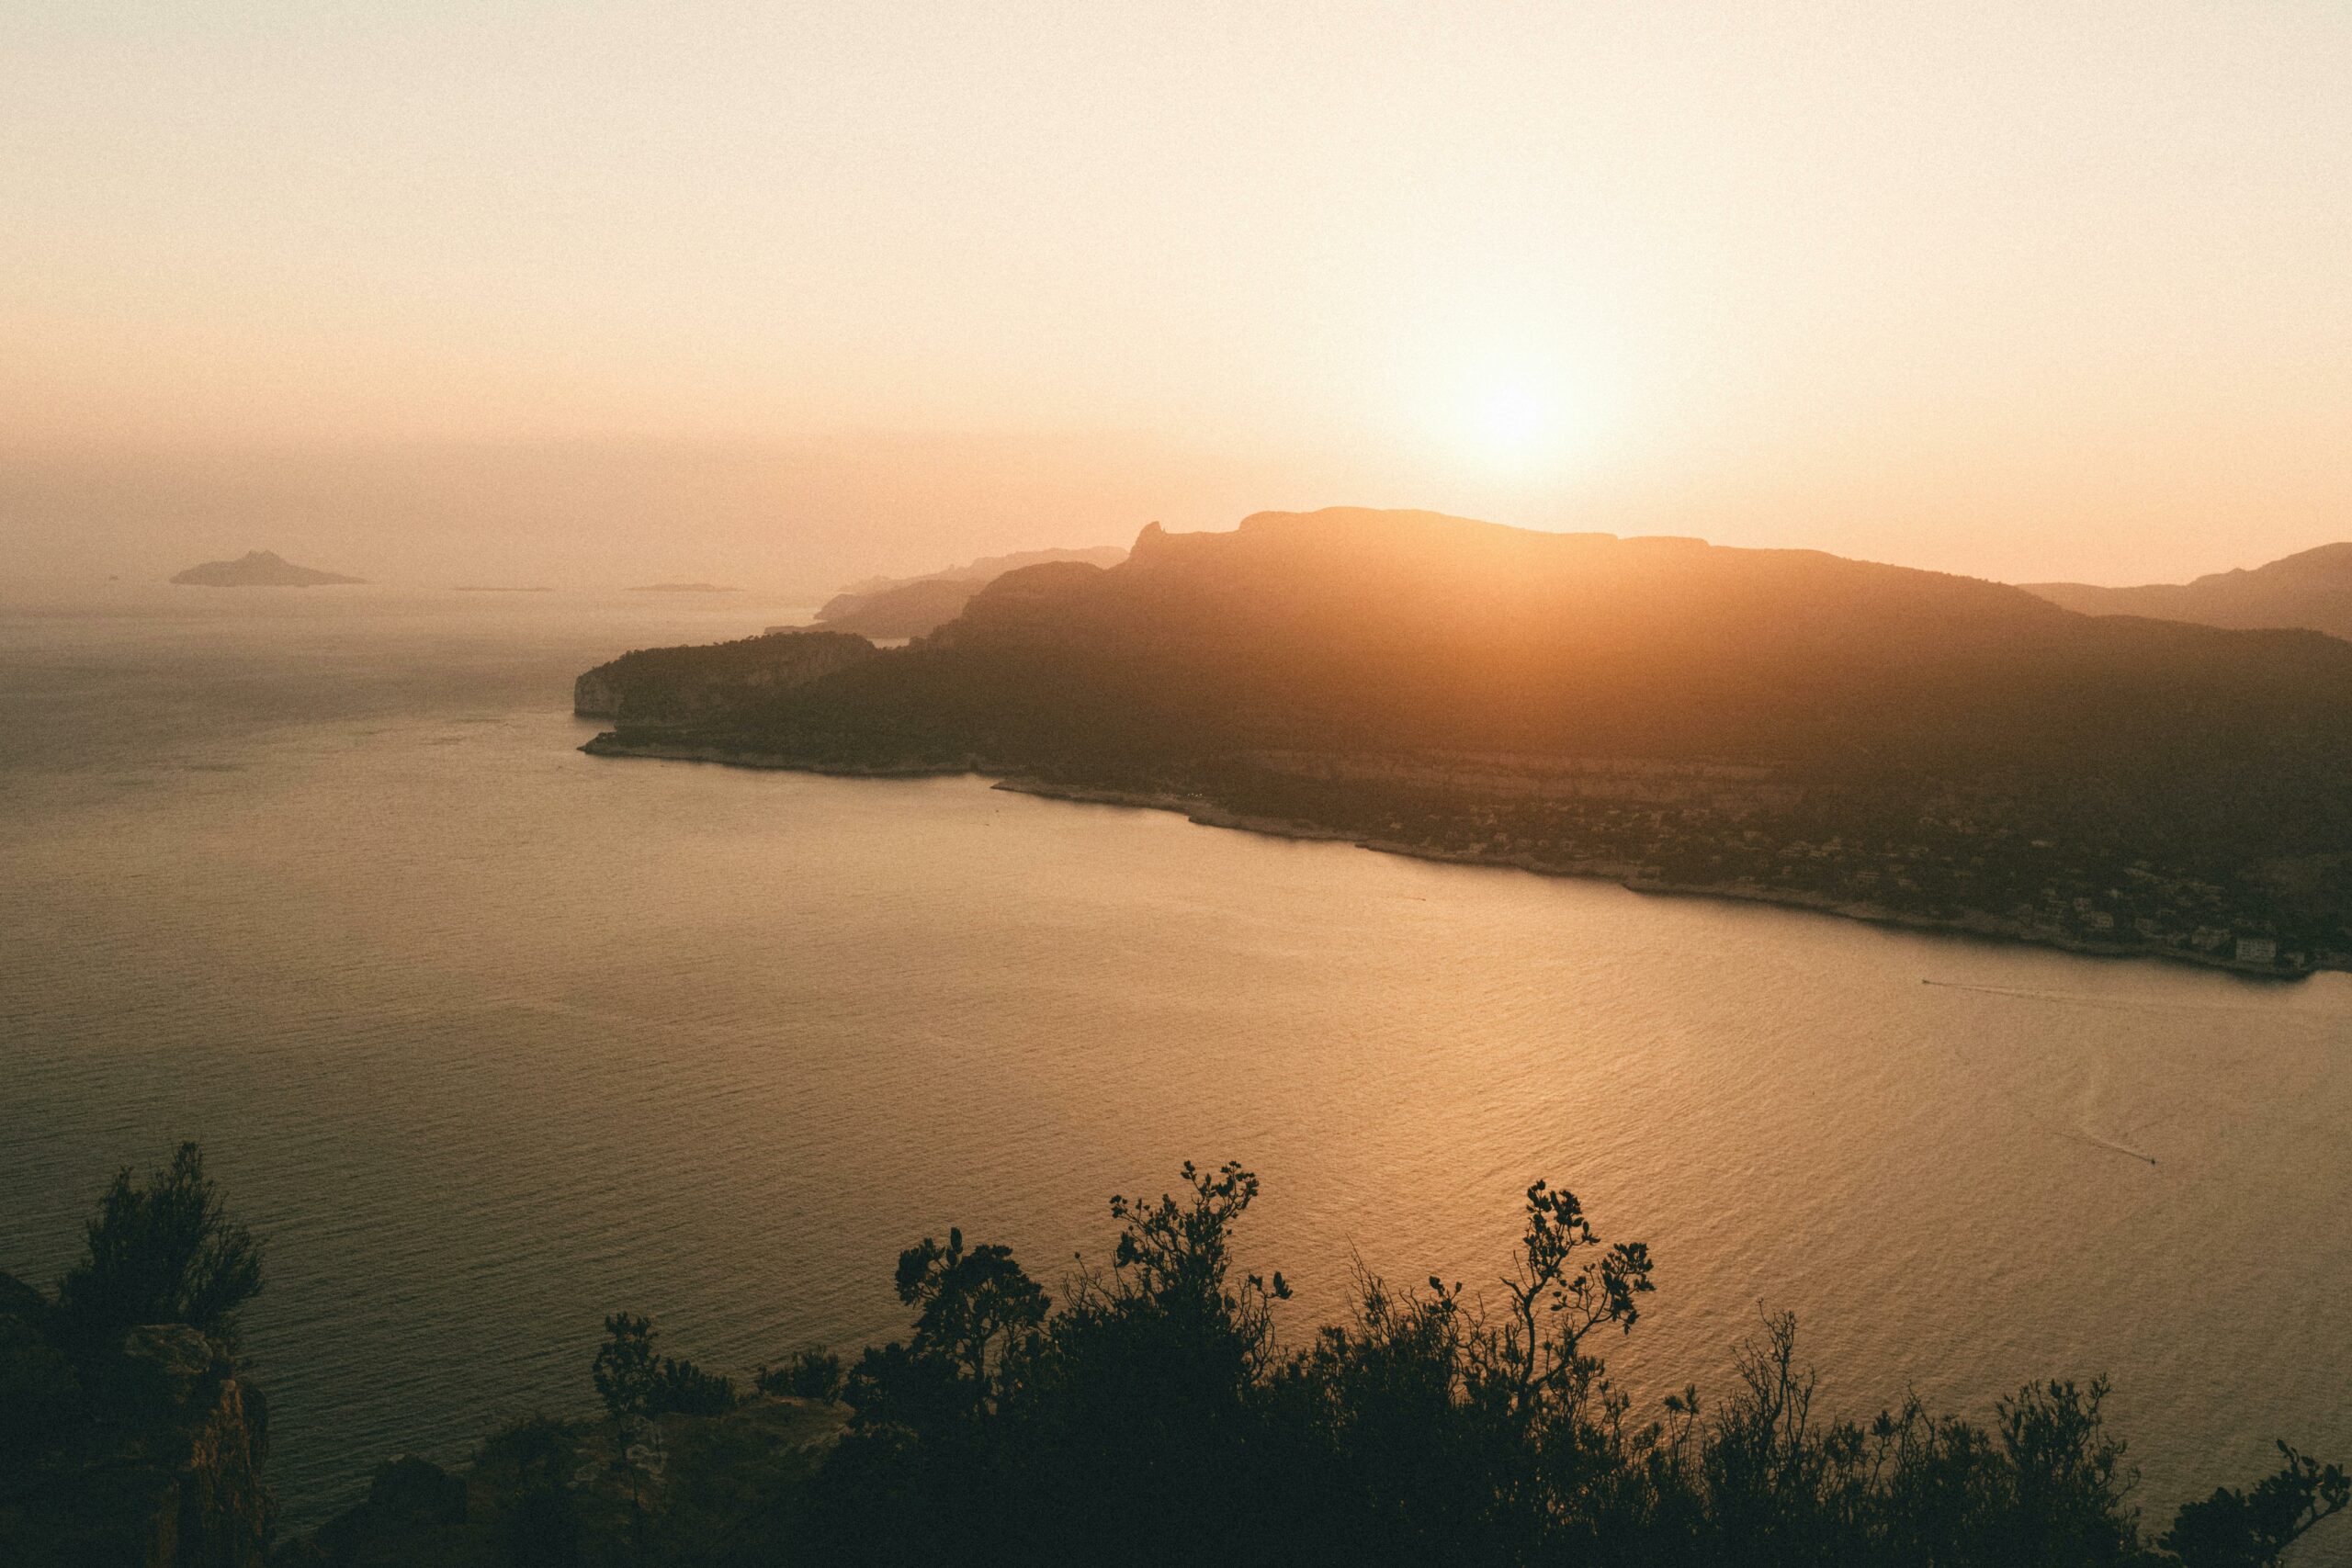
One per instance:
(2126, 1004)
(2080, 1130)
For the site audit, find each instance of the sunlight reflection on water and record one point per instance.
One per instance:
(492, 1038)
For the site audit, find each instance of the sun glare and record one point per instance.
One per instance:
(1511, 420)
(1511, 425)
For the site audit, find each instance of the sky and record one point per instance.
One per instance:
(787, 293)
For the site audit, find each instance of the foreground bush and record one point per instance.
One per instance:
(634, 1382)
(1154, 1418)
(128, 1432)
(161, 1251)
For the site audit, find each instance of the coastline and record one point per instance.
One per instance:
(605, 745)
(1208, 814)
(1990, 927)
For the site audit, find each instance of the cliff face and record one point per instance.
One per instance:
(152, 1458)
(598, 694)
(199, 1499)
(677, 685)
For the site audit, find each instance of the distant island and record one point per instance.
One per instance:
(890, 608)
(1783, 726)
(260, 568)
(2313, 590)
(686, 588)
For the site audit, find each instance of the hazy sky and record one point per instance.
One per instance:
(790, 292)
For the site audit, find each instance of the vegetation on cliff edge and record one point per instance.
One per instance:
(1154, 1416)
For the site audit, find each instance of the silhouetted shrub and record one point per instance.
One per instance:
(1153, 1418)
(2240, 1530)
(813, 1373)
(161, 1252)
(633, 1382)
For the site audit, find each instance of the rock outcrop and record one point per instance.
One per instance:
(598, 694)
(149, 1457)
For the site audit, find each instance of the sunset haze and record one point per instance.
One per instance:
(779, 293)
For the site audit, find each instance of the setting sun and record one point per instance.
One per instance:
(1512, 424)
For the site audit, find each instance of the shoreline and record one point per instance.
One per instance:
(1209, 815)
(603, 746)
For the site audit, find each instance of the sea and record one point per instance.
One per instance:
(489, 1038)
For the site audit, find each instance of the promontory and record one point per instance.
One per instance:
(1778, 725)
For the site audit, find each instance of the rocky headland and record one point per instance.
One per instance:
(1782, 727)
(665, 687)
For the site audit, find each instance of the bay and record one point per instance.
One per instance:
(492, 1038)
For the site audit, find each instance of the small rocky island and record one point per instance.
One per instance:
(260, 568)
(1781, 726)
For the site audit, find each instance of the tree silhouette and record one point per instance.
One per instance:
(162, 1251)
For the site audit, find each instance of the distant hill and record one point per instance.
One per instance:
(1774, 724)
(910, 609)
(2313, 590)
(915, 607)
(260, 568)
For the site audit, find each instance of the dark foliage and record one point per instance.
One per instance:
(813, 1373)
(633, 1382)
(2242, 1530)
(1154, 1418)
(40, 1397)
(161, 1252)
(529, 1466)
(123, 1419)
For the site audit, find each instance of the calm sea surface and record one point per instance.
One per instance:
(492, 1038)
